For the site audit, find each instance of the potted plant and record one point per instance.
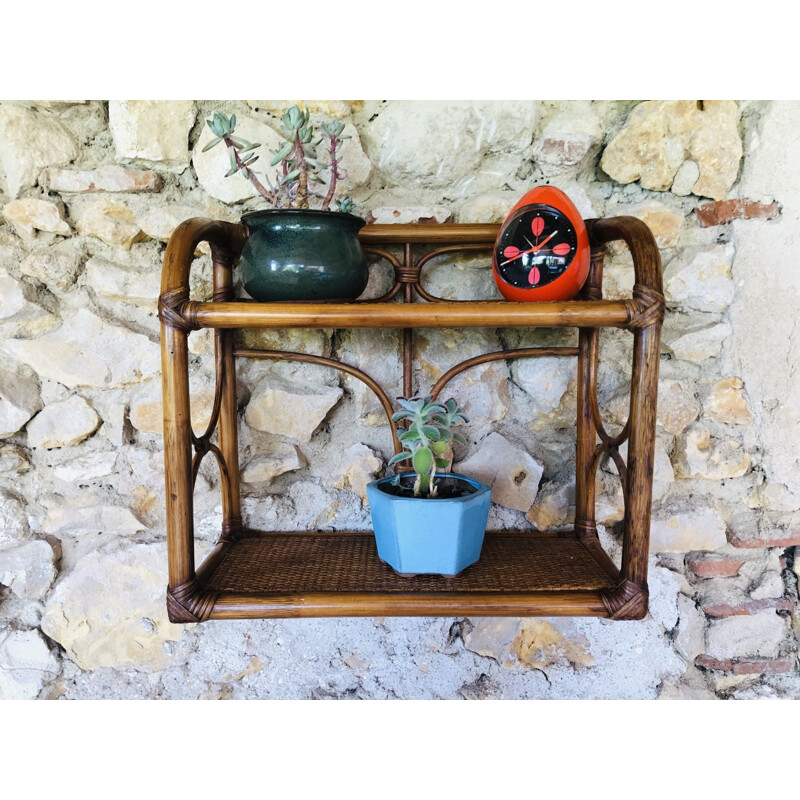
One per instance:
(424, 522)
(294, 252)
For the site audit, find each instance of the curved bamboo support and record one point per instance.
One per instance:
(226, 242)
(285, 355)
(499, 355)
(629, 600)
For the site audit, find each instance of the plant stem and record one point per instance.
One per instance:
(301, 199)
(270, 197)
(334, 176)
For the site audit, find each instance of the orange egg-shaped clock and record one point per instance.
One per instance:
(542, 249)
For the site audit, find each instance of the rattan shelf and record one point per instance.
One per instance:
(252, 574)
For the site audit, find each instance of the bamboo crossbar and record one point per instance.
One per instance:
(603, 313)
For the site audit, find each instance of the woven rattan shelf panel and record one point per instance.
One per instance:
(252, 575)
(274, 563)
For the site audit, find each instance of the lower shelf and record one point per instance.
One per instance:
(339, 574)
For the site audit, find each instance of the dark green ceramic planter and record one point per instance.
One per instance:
(300, 254)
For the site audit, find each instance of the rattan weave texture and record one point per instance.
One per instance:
(303, 563)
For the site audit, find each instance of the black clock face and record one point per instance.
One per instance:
(537, 246)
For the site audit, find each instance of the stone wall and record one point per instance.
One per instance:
(90, 191)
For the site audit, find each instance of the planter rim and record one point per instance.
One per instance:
(255, 216)
(482, 488)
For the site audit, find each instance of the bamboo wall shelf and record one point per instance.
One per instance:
(252, 574)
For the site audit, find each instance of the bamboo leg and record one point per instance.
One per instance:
(177, 455)
(228, 421)
(641, 447)
(587, 384)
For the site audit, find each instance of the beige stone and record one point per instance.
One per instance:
(769, 585)
(701, 455)
(660, 135)
(290, 409)
(108, 178)
(87, 351)
(512, 472)
(26, 664)
(159, 223)
(152, 130)
(467, 147)
(92, 465)
(32, 214)
(377, 351)
(13, 458)
(487, 208)
(29, 569)
(63, 424)
(690, 639)
(56, 266)
(29, 141)
(529, 643)
(567, 139)
(746, 635)
(20, 398)
(705, 282)
(700, 345)
(147, 411)
(85, 514)
(358, 467)
(13, 519)
(212, 165)
(482, 391)
(682, 532)
(554, 506)
(409, 215)
(677, 406)
(664, 224)
(110, 221)
(280, 459)
(685, 178)
(726, 403)
(545, 381)
(134, 286)
(331, 108)
(109, 611)
(16, 301)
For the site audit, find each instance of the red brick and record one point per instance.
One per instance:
(714, 567)
(788, 539)
(714, 663)
(726, 210)
(755, 666)
(748, 607)
(762, 666)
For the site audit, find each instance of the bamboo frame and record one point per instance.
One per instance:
(623, 594)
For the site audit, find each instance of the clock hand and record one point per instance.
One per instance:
(537, 249)
(518, 255)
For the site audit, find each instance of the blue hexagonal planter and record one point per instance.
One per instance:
(440, 536)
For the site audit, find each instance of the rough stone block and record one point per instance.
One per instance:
(63, 424)
(29, 141)
(683, 532)
(758, 635)
(152, 130)
(512, 473)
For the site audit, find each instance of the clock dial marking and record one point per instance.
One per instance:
(537, 226)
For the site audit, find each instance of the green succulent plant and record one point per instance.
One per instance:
(428, 438)
(296, 159)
